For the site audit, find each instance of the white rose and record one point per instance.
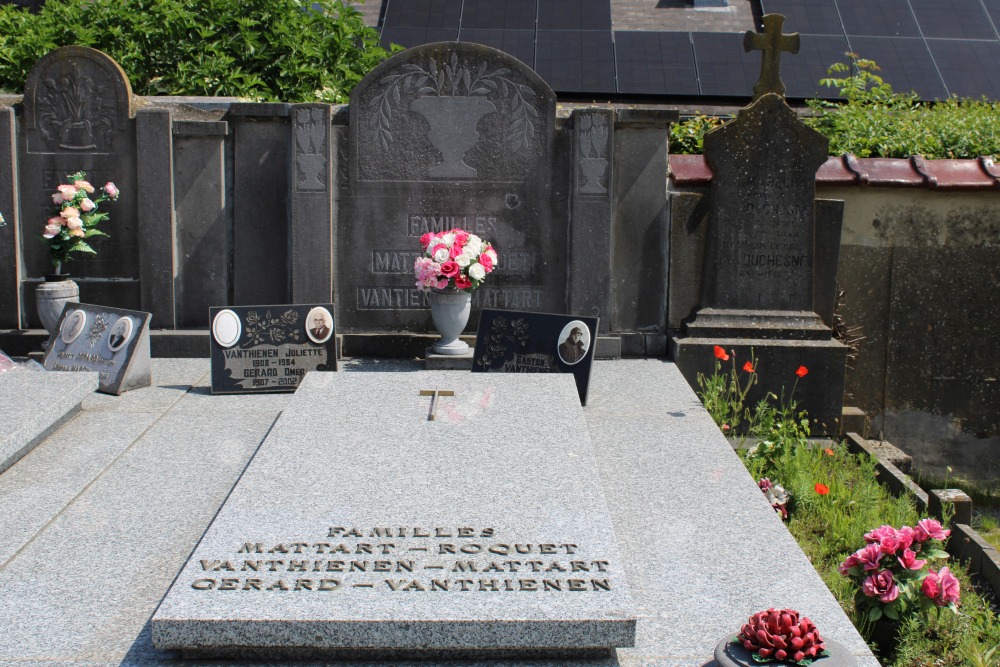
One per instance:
(448, 239)
(477, 272)
(473, 246)
(463, 260)
(441, 255)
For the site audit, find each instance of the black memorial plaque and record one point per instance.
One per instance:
(112, 342)
(264, 349)
(522, 342)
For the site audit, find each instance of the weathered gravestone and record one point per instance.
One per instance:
(470, 522)
(442, 136)
(113, 342)
(770, 262)
(78, 115)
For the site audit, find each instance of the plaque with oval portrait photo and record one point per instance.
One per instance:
(522, 342)
(265, 349)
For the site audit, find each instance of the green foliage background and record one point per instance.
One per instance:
(875, 121)
(264, 50)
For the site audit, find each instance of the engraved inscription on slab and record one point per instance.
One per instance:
(270, 348)
(451, 559)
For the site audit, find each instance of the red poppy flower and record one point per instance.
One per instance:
(748, 367)
(828, 451)
(802, 371)
(721, 353)
(822, 489)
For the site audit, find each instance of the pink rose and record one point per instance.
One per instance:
(906, 535)
(949, 586)
(461, 237)
(426, 239)
(76, 232)
(67, 191)
(869, 556)
(454, 251)
(84, 185)
(486, 261)
(909, 560)
(889, 545)
(110, 190)
(70, 212)
(449, 269)
(74, 224)
(930, 529)
(57, 198)
(880, 534)
(87, 206)
(851, 561)
(930, 587)
(51, 230)
(881, 584)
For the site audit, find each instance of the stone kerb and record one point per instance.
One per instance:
(449, 135)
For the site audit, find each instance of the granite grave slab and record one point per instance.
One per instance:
(358, 527)
(24, 420)
(113, 342)
(258, 349)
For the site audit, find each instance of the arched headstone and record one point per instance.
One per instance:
(449, 135)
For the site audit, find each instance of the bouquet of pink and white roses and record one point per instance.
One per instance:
(454, 259)
(77, 219)
(893, 571)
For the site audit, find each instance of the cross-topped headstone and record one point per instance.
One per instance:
(772, 43)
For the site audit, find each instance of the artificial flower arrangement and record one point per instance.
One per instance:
(776, 495)
(893, 571)
(78, 218)
(455, 259)
(781, 635)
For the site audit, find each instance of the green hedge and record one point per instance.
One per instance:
(264, 50)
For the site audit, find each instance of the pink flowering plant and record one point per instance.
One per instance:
(894, 575)
(78, 217)
(454, 259)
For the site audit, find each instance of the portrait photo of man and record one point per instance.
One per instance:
(574, 346)
(120, 334)
(319, 325)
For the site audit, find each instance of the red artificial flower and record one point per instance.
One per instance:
(748, 367)
(802, 371)
(828, 451)
(822, 489)
(721, 353)
(462, 282)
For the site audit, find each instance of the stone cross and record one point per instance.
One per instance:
(434, 393)
(772, 43)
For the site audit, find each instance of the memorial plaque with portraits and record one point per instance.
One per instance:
(112, 342)
(511, 341)
(258, 349)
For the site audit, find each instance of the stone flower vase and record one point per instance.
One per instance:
(450, 310)
(50, 297)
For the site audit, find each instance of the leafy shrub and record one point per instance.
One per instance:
(265, 50)
(873, 120)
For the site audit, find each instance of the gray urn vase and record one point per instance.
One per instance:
(728, 654)
(50, 298)
(450, 310)
(452, 121)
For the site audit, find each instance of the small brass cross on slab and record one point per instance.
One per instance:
(772, 43)
(434, 393)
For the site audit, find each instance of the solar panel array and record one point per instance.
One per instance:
(934, 47)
